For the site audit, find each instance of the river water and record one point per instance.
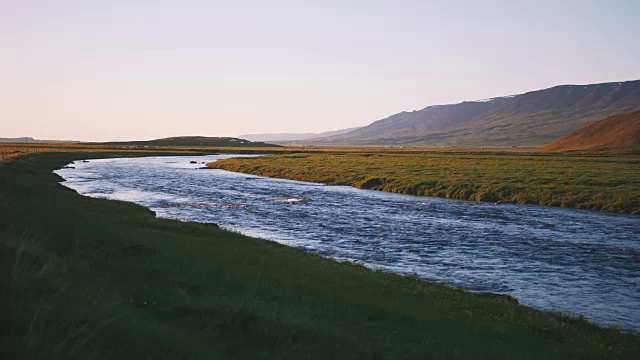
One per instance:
(573, 261)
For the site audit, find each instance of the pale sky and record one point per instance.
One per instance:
(123, 70)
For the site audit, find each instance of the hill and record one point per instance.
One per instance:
(619, 133)
(531, 119)
(194, 141)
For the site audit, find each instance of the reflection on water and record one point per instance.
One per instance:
(573, 261)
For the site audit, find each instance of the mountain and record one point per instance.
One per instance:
(284, 137)
(194, 141)
(619, 133)
(531, 119)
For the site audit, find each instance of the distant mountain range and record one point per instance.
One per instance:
(619, 133)
(195, 141)
(285, 137)
(30, 140)
(531, 119)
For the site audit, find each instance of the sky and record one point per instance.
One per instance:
(131, 70)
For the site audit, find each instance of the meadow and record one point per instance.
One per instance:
(92, 278)
(9, 150)
(606, 183)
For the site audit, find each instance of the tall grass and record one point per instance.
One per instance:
(11, 150)
(7, 152)
(46, 318)
(598, 183)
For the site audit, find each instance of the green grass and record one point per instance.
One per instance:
(87, 278)
(596, 183)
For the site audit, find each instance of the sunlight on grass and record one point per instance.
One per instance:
(595, 183)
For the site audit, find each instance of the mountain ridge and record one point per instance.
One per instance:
(534, 118)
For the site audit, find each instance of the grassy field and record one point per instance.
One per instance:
(597, 183)
(91, 278)
(9, 150)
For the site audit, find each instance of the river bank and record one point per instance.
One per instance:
(550, 258)
(609, 184)
(94, 278)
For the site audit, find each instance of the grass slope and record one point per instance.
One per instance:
(619, 133)
(598, 183)
(87, 278)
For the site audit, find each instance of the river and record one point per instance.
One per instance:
(574, 261)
